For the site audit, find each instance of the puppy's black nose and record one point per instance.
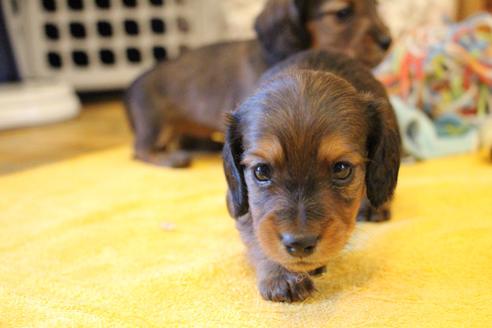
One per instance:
(385, 42)
(299, 246)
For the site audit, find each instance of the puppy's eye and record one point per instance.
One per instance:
(262, 172)
(345, 13)
(342, 171)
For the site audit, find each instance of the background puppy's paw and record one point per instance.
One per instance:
(176, 159)
(286, 287)
(368, 213)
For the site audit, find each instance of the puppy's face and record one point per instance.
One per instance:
(304, 193)
(353, 27)
(300, 147)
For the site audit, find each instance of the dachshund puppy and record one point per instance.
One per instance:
(186, 98)
(301, 154)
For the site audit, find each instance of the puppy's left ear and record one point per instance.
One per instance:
(237, 195)
(281, 29)
(384, 150)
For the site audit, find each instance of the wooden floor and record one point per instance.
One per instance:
(101, 125)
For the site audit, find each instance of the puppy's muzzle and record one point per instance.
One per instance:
(384, 41)
(299, 246)
(381, 37)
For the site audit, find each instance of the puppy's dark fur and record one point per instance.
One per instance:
(311, 113)
(187, 97)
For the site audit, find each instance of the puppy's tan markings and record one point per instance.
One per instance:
(333, 6)
(267, 234)
(339, 148)
(268, 149)
(336, 235)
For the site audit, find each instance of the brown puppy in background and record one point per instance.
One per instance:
(301, 155)
(187, 98)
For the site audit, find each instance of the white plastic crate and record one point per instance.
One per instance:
(104, 44)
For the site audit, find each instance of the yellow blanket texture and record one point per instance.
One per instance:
(102, 240)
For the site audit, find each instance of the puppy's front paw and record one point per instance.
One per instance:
(286, 287)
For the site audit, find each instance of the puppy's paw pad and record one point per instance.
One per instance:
(288, 287)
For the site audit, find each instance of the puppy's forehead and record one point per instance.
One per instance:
(299, 112)
(331, 148)
(304, 105)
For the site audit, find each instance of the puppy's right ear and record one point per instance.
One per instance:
(237, 195)
(281, 30)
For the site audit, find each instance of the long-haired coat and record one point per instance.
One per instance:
(301, 155)
(185, 99)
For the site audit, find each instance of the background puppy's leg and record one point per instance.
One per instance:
(191, 143)
(275, 283)
(159, 145)
(369, 213)
(155, 141)
(162, 148)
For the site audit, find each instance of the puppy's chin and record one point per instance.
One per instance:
(371, 54)
(302, 266)
(315, 261)
(373, 59)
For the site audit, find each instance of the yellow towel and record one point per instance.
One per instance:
(102, 240)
